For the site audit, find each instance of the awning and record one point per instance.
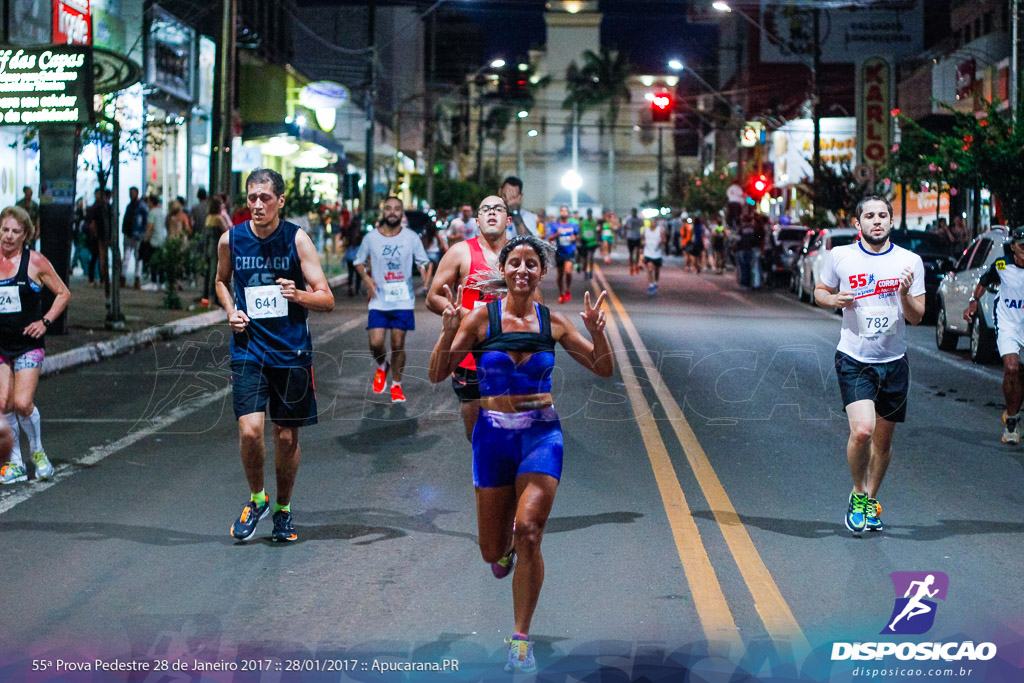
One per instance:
(265, 130)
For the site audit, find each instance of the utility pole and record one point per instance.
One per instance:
(815, 95)
(220, 168)
(371, 94)
(480, 135)
(661, 129)
(429, 131)
(1015, 58)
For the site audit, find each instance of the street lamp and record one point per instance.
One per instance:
(573, 182)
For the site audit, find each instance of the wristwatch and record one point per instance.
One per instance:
(972, 300)
(46, 323)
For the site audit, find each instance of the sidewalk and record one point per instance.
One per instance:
(146, 320)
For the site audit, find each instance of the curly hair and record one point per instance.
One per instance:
(492, 280)
(21, 215)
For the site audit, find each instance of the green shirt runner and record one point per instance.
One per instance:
(588, 231)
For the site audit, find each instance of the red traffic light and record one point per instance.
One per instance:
(661, 108)
(759, 186)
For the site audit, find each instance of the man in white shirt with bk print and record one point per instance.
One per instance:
(879, 287)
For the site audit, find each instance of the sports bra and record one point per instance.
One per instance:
(498, 374)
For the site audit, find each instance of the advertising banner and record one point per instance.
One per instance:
(48, 84)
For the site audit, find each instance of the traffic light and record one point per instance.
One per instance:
(661, 108)
(759, 185)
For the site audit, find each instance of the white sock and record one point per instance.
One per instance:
(12, 420)
(395, 384)
(30, 425)
(382, 366)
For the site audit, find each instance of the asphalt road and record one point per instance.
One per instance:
(697, 530)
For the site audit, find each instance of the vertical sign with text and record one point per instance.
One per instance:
(72, 22)
(875, 119)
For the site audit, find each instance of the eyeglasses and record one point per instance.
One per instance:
(493, 208)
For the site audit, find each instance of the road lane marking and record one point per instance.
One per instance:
(98, 453)
(775, 613)
(708, 599)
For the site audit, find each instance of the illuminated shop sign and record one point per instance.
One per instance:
(48, 84)
(72, 22)
(171, 56)
(875, 118)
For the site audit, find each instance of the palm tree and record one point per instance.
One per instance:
(497, 121)
(608, 71)
(581, 92)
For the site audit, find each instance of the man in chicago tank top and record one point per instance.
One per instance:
(277, 279)
(461, 261)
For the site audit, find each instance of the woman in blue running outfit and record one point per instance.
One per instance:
(517, 440)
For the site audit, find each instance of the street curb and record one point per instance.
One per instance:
(94, 353)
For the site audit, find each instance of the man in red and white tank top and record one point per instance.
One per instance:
(458, 264)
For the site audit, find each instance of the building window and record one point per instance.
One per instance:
(967, 33)
(958, 36)
(988, 23)
(977, 27)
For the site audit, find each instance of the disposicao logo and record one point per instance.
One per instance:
(913, 614)
(914, 611)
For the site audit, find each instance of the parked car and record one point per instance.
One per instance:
(809, 268)
(934, 252)
(805, 246)
(956, 289)
(785, 244)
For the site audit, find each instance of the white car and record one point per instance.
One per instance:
(957, 288)
(809, 266)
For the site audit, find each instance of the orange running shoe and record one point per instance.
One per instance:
(396, 394)
(380, 379)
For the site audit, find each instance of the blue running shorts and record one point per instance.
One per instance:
(506, 445)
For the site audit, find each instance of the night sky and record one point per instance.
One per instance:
(651, 31)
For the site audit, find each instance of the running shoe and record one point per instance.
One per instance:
(873, 516)
(245, 527)
(1011, 434)
(651, 289)
(284, 530)
(12, 473)
(396, 394)
(520, 656)
(44, 470)
(380, 379)
(504, 566)
(855, 515)
(568, 297)
(561, 298)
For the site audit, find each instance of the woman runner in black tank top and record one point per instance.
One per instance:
(23, 274)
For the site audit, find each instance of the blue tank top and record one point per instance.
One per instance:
(277, 340)
(498, 374)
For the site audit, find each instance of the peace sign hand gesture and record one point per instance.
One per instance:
(593, 316)
(451, 317)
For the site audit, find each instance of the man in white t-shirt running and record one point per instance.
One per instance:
(1008, 273)
(879, 287)
(391, 250)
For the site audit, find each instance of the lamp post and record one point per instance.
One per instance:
(678, 65)
(519, 141)
(814, 64)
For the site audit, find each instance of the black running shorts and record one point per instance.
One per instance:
(466, 385)
(289, 391)
(886, 384)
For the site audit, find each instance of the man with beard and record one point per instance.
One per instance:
(392, 250)
(460, 262)
(879, 287)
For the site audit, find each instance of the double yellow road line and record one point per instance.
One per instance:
(709, 600)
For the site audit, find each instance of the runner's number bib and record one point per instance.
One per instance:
(10, 299)
(877, 321)
(265, 301)
(396, 291)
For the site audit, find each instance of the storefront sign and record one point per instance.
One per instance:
(793, 147)
(72, 22)
(875, 118)
(752, 134)
(171, 56)
(51, 84)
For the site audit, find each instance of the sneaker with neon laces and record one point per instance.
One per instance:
(1011, 434)
(856, 513)
(380, 379)
(284, 529)
(520, 656)
(505, 565)
(396, 394)
(873, 516)
(44, 469)
(245, 526)
(12, 473)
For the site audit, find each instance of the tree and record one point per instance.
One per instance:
(834, 191)
(495, 125)
(608, 72)
(698, 194)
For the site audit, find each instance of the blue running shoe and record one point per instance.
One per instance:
(857, 512)
(245, 527)
(520, 656)
(12, 473)
(504, 566)
(873, 516)
(284, 530)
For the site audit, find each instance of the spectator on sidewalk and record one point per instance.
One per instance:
(133, 227)
(99, 231)
(31, 207)
(156, 233)
(200, 210)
